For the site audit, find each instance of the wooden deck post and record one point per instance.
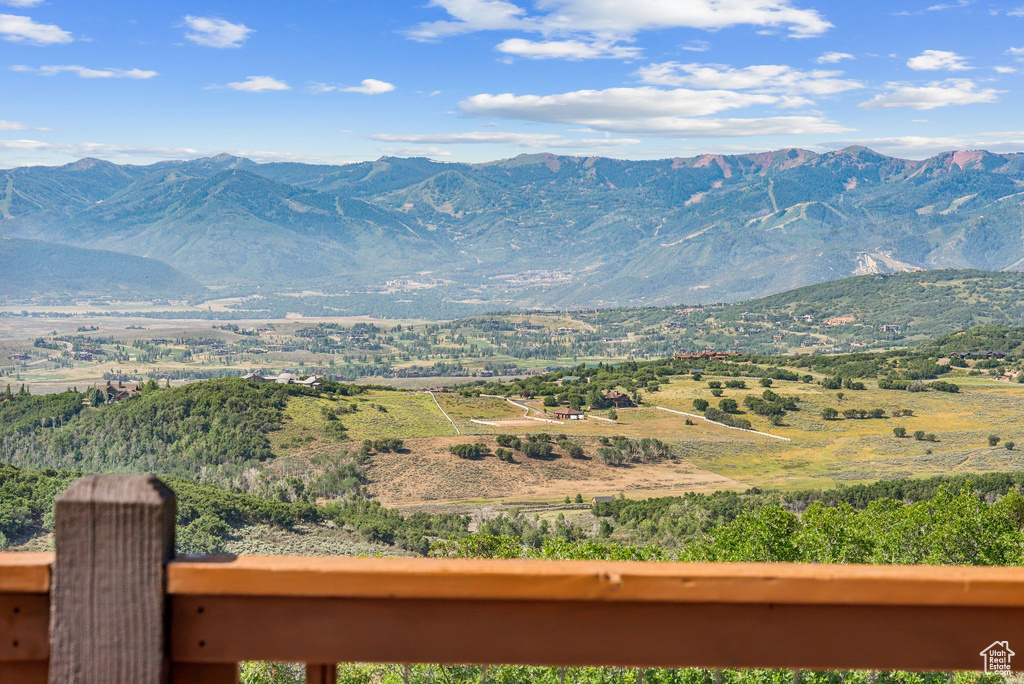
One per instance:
(114, 535)
(321, 674)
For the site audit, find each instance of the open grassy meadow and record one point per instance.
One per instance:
(816, 453)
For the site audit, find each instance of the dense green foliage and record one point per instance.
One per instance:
(213, 429)
(209, 516)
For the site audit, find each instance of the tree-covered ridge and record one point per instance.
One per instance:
(563, 231)
(1001, 338)
(34, 269)
(951, 528)
(215, 429)
(922, 303)
(209, 516)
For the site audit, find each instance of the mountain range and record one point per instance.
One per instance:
(536, 230)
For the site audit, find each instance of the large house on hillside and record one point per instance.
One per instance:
(618, 399)
(285, 379)
(119, 392)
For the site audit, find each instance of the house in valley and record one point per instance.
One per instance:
(567, 413)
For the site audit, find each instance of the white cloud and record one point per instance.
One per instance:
(416, 151)
(214, 32)
(761, 77)
(17, 126)
(21, 3)
(536, 140)
(566, 49)
(256, 84)
(1005, 69)
(368, 86)
(953, 91)
(922, 146)
(647, 111)
(618, 19)
(936, 60)
(1016, 52)
(581, 105)
(90, 149)
(86, 72)
(19, 29)
(833, 57)
(696, 46)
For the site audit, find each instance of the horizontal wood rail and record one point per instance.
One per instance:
(220, 611)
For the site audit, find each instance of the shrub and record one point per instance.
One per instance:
(510, 441)
(701, 404)
(766, 382)
(537, 450)
(919, 435)
(714, 384)
(469, 451)
(900, 432)
(503, 455)
(728, 405)
(717, 392)
(572, 450)
(943, 386)
(993, 440)
(1009, 446)
(829, 413)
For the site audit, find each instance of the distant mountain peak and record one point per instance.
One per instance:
(224, 157)
(86, 163)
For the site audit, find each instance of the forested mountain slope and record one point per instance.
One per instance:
(564, 231)
(45, 269)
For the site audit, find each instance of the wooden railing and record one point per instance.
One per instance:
(112, 605)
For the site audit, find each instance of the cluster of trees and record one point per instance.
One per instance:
(210, 517)
(829, 413)
(889, 383)
(213, 430)
(470, 451)
(619, 451)
(950, 528)
(771, 405)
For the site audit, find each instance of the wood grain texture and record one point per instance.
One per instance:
(204, 673)
(568, 633)
(28, 672)
(417, 578)
(321, 674)
(24, 627)
(113, 536)
(25, 572)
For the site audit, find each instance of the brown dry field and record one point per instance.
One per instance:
(429, 474)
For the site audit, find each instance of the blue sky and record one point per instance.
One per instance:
(338, 81)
